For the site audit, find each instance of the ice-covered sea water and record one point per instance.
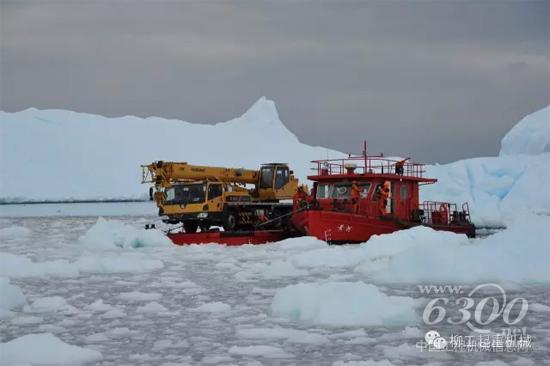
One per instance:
(215, 305)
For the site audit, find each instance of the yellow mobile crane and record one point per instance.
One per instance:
(204, 196)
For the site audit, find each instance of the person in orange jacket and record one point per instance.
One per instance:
(299, 198)
(355, 196)
(383, 194)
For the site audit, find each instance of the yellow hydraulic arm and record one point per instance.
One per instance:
(164, 174)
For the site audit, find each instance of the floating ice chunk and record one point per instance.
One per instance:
(374, 253)
(279, 269)
(349, 334)
(26, 320)
(121, 332)
(342, 304)
(112, 234)
(454, 260)
(140, 296)
(539, 308)
(273, 270)
(14, 232)
(152, 308)
(214, 307)
(50, 328)
(363, 363)
(259, 350)
(99, 306)
(168, 343)
(88, 263)
(45, 349)
(97, 338)
(412, 332)
(492, 363)
(50, 304)
(291, 335)
(407, 351)
(11, 296)
(162, 344)
(12, 265)
(300, 244)
(522, 361)
(215, 359)
(112, 314)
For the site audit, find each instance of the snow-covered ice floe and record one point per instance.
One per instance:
(13, 232)
(342, 304)
(107, 247)
(11, 297)
(44, 349)
(111, 234)
(13, 265)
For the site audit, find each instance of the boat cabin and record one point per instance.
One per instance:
(332, 190)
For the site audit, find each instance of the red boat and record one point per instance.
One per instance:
(333, 214)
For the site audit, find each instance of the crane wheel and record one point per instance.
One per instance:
(230, 221)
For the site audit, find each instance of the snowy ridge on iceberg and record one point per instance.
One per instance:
(531, 135)
(63, 155)
(496, 188)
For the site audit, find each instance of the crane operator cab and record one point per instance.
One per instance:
(276, 182)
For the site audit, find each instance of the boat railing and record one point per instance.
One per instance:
(436, 212)
(368, 165)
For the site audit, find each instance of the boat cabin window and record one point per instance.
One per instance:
(214, 190)
(365, 191)
(322, 191)
(186, 193)
(339, 190)
(281, 177)
(266, 177)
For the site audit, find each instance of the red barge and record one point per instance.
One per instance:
(360, 196)
(351, 200)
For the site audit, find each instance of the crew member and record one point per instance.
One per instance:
(355, 196)
(444, 212)
(400, 166)
(383, 194)
(299, 198)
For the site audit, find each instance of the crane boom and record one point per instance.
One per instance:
(165, 173)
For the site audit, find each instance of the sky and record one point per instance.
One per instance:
(435, 80)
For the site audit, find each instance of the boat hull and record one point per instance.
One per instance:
(229, 239)
(342, 227)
